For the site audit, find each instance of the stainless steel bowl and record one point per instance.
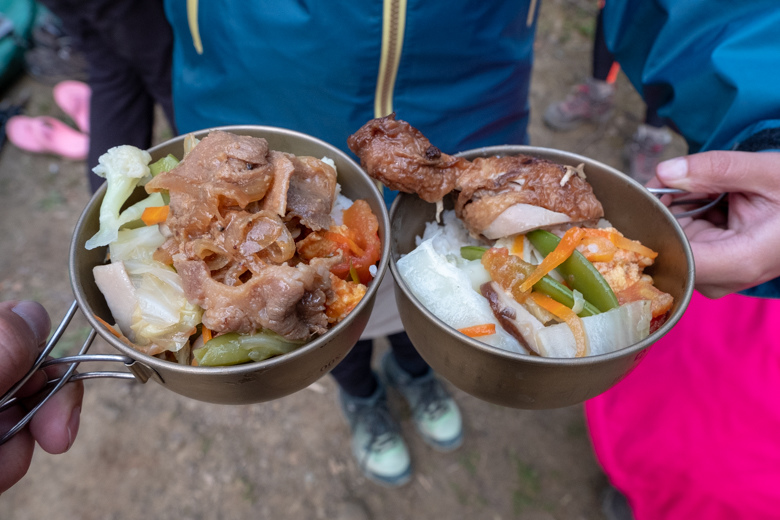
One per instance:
(254, 382)
(530, 382)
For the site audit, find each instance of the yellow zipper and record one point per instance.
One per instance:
(192, 19)
(393, 25)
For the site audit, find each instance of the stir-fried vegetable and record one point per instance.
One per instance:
(476, 331)
(155, 215)
(567, 315)
(578, 272)
(510, 270)
(234, 348)
(163, 165)
(124, 168)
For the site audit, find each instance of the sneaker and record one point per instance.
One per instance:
(377, 444)
(591, 101)
(644, 151)
(615, 506)
(435, 413)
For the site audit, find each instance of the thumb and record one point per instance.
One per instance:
(24, 327)
(722, 171)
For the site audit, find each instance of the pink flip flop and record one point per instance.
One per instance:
(46, 134)
(73, 98)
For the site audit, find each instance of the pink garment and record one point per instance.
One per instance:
(694, 431)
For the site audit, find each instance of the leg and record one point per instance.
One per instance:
(353, 374)
(128, 48)
(590, 101)
(435, 413)
(376, 437)
(407, 356)
(602, 57)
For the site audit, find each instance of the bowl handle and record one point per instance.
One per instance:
(136, 370)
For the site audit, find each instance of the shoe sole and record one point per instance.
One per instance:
(392, 483)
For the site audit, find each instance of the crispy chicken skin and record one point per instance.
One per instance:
(494, 184)
(401, 157)
(537, 192)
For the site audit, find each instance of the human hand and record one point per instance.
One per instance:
(24, 327)
(736, 250)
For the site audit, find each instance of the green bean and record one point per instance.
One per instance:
(577, 271)
(163, 165)
(547, 285)
(562, 294)
(234, 348)
(472, 252)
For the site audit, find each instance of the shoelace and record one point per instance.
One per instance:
(432, 399)
(380, 427)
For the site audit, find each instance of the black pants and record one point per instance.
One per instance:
(602, 63)
(354, 374)
(128, 46)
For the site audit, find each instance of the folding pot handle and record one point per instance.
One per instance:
(135, 370)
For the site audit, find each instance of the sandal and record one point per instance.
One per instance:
(46, 134)
(73, 98)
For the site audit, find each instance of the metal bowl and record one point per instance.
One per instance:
(530, 382)
(253, 382)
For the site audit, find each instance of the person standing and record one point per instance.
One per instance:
(325, 69)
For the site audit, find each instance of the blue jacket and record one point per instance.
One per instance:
(313, 66)
(712, 66)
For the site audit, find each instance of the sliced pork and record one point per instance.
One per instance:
(287, 300)
(231, 202)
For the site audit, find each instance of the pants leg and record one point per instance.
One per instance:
(353, 374)
(128, 47)
(602, 57)
(407, 356)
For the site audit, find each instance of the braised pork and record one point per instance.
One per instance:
(231, 202)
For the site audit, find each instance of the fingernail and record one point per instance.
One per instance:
(673, 169)
(36, 318)
(73, 425)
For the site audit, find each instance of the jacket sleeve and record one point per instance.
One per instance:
(712, 67)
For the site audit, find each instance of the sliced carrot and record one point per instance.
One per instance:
(111, 329)
(569, 242)
(567, 315)
(597, 248)
(154, 215)
(479, 330)
(206, 333)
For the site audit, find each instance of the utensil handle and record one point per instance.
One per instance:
(706, 204)
(136, 371)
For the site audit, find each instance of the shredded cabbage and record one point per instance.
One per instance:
(162, 314)
(136, 244)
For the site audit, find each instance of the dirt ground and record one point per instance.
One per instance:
(143, 452)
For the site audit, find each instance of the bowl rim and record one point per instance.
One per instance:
(636, 348)
(167, 366)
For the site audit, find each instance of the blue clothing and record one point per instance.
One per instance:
(312, 66)
(712, 67)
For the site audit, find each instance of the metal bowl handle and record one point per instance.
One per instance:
(137, 371)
